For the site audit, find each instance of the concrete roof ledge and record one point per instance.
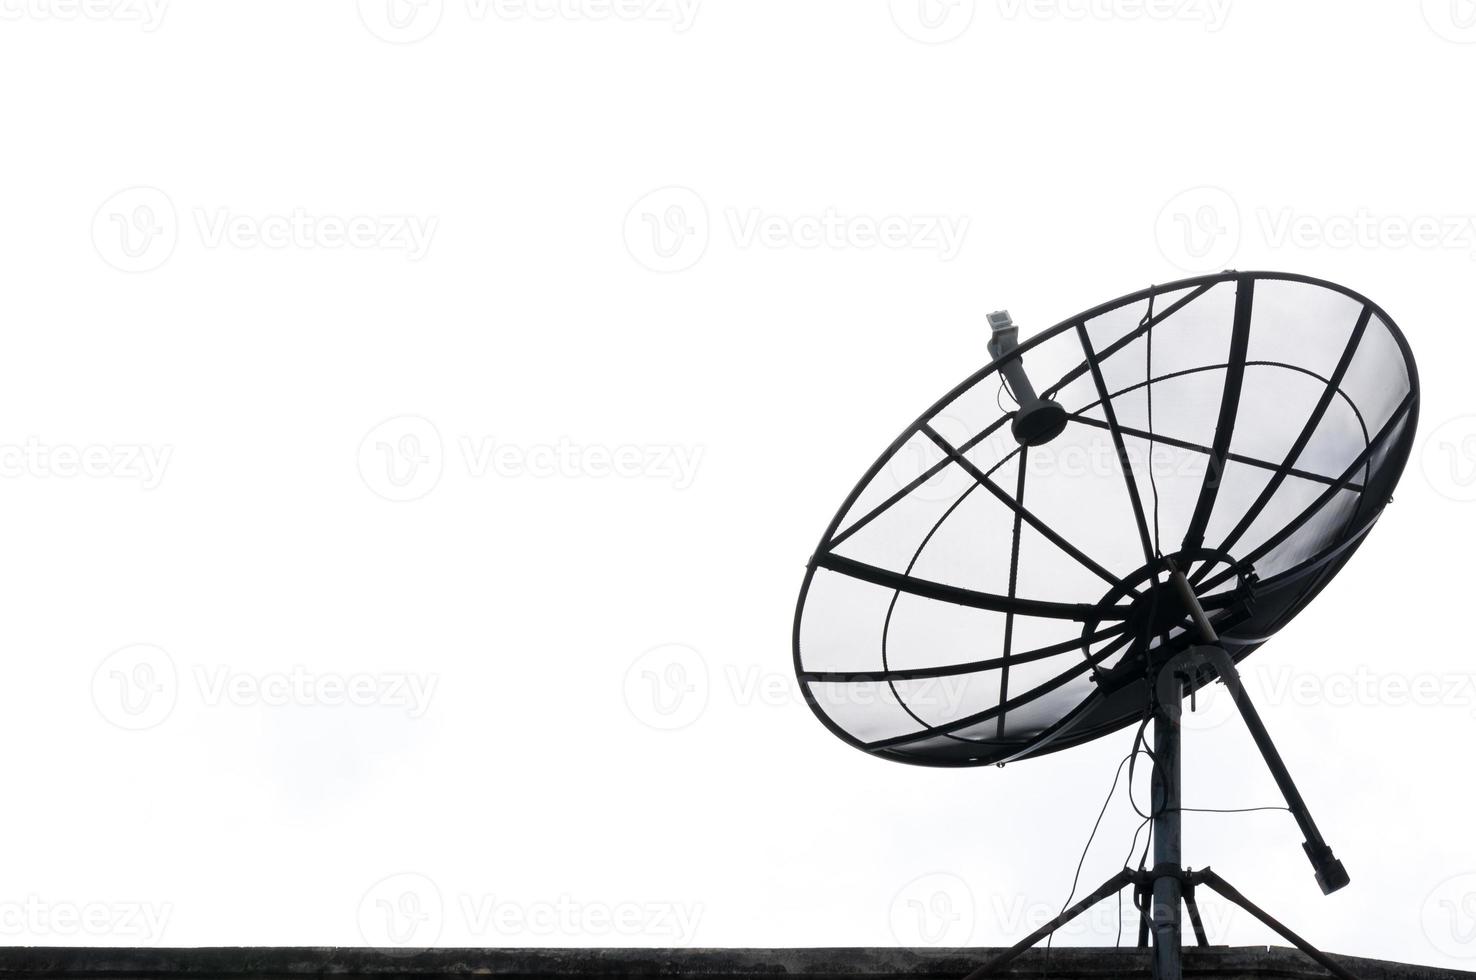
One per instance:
(1226, 963)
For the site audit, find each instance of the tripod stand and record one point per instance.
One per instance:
(1159, 893)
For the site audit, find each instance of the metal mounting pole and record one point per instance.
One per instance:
(1167, 841)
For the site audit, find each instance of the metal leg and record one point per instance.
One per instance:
(1220, 885)
(1142, 884)
(1113, 885)
(1329, 871)
(1194, 919)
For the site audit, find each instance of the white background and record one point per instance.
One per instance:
(625, 412)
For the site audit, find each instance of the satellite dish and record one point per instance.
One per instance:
(1103, 519)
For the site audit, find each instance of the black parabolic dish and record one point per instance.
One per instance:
(975, 601)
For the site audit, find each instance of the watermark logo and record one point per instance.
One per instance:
(401, 21)
(136, 229)
(1453, 20)
(935, 909)
(401, 911)
(401, 459)
(1199, 229)
(667, 687)
(1448, 917)
(668, 229)
(136, 687)
(932, 21)
(1449, 459)
(148, 14)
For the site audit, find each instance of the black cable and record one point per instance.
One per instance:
(999, 397)
(1076, 879)
(1147, 820)
(1139, 747)
(1138, 739)
(1126, 861)
(1148, 375)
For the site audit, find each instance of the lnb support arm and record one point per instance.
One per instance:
(1329, 871)
(1038, 420)
(1004, 337)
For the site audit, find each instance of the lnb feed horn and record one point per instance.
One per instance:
(1038, 420)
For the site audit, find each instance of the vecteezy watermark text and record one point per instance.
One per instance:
(1211, 13)
(138, 687)
(938, 233)
(1366, 687)
(569, 459)
(408, 910)
(148, 14)
(680, 14)
(670, 686)
(408, 21)
(126, 461)
(34, 916)
(567, 916)
(1365, 229)
(403, 459)
(302, 229)
(669, 230)
(220, 684)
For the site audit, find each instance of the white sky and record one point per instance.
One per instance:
(334, 231)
